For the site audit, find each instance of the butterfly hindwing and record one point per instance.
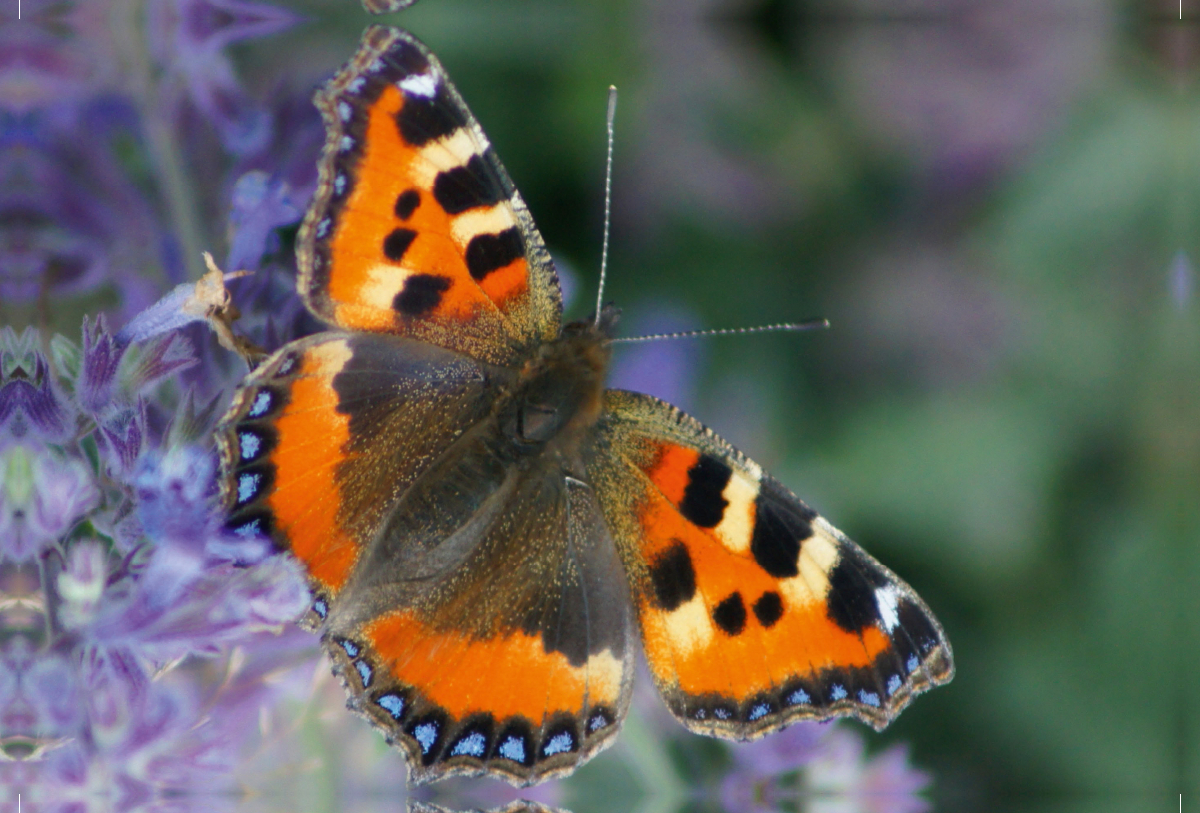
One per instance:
(416, 228)
(754, 610)
(473, 603)
(500, 645)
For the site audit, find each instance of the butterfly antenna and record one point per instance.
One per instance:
(811, 324)
(612, 115)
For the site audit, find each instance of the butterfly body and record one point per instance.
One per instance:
(487, 530)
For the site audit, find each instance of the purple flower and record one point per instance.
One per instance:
(260, 205)
(191, 36)
(138, 583)
(28, 400)
(882, 784)
(157, 359)
(121, 436)
(820, 761)
(101, 355)
(41, 498)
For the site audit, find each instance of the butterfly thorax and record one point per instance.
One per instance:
(558, 395)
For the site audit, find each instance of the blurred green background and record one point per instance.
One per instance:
(995, 205)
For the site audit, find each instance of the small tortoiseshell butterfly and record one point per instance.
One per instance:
(485, 527)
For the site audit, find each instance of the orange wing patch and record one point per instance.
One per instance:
(286, 440)
(465, 705)
(416, 228)
(313, 438)
(493, 675)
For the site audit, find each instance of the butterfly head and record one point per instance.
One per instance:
(560, 391)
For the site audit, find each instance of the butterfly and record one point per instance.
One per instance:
(489, 532)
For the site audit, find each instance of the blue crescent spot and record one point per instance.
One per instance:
(893, 684)
(426, 735)
(471, 745)
(597, 722)
(838, 692)
(251, 445)
(799, 697)
(247, 529)
(912, 664)
(512, 748)
(351, 648)
(393, 704)
(320, 607)
(559, 744)
(262, 402)
(364, 672)
(722, 714)
(248, 486)
(758, 711)
(870, 698)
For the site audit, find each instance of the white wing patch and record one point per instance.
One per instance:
(419, 84)
(887, 600)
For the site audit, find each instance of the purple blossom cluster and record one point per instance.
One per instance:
(138, 642)
(118, 586)
(118, 131)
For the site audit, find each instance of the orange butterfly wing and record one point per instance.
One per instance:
(317, 443)
(416, 228)
(754, 610)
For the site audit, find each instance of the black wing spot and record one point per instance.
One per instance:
(490, 252)
(407, 203)
(673, 577)
(703, 503)
(730, 614)
(852, 584)
(469, 186)
(775, 543)
(421, 294)
(768, 609)
(422, 120)
(396, 243)
(918, 627)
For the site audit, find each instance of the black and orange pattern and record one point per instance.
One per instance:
(483, 524)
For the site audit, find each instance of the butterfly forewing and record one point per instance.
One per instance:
(754, 611)
(416, 228)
